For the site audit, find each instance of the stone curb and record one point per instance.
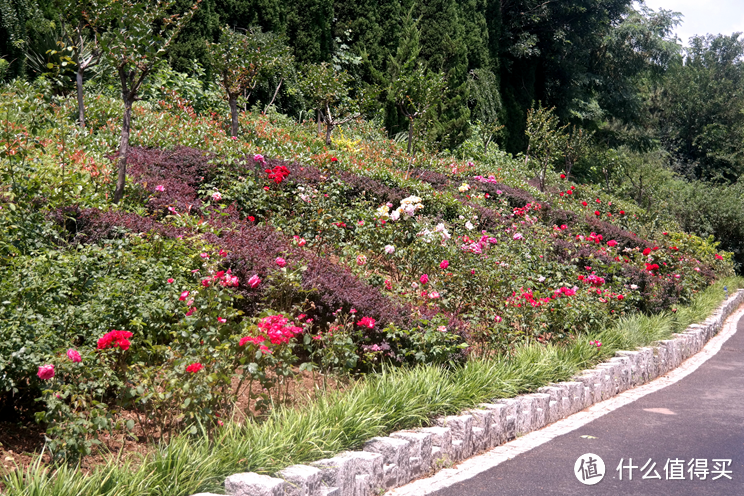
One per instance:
(389, 462)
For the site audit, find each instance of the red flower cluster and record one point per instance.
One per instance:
(520, 212)
(278, 173)
(652, 267)
(225, 279)
(592, 279)
(529, 297)
(115, 339)
(194, 367)
(367, 322)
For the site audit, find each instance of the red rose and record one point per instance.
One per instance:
(194, 367)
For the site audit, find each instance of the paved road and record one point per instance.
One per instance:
(701, 417)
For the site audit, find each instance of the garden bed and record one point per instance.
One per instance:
(236, 267)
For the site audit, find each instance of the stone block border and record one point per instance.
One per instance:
(389, 462)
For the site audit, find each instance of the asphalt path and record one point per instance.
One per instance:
(688, 434)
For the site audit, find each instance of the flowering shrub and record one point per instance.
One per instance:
(226, 270)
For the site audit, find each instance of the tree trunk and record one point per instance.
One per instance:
(81, 103)
(410, 134)
(233, 100)
(329, 130)
(123, 150)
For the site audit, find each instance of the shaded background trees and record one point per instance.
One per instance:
(644, 114)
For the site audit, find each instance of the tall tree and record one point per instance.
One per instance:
(137, 37)
(414, 88)
(241, 60)
(329, 91)
(700, 108)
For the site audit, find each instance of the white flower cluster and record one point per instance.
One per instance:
(408, 208)
(308, 194)
(440, 230)
(465, 187)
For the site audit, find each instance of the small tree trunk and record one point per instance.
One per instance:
(410, 134)
(274, 97)
(233, 100)
(329, 130)
(81, 102)
(123, 150)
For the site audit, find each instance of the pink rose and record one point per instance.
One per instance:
(160, 188)
(221, 320)
(254, 281)
(170, 280)
(280, 261)
(74, 356)
(46, 372)
(444, 264)
(204, 255)
(424, 279)
(216, 196)
(184, 295)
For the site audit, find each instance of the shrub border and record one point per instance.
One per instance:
(393, 461)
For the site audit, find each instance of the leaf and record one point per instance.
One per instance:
(130, 424)
(586, 436)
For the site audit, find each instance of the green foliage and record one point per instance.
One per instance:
(414, 88)
(547, 141)
(711, 210)
(242, 60)
(699, 108)
(488, 108)
(328, 90)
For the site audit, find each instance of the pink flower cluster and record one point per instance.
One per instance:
(275, 330)
(115, 339)
(592, 279)
(46, 372)
(489, 179)
(74, 356)
(479, 246)
(226, 279)
(598, 344)
(564, 291)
